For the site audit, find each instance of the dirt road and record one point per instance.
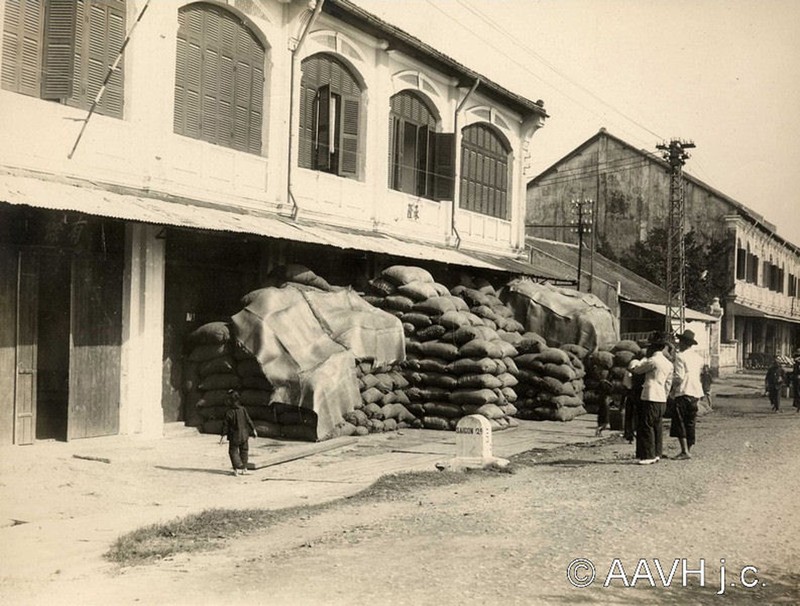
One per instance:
(675, 532)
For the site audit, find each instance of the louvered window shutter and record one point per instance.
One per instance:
(349, 136)
(394, 152)
(322, 130)
(423, 136)
(22, 46)
(485, 172)
(58, 49)
(443, 166)
(99, 36)
(219, 79)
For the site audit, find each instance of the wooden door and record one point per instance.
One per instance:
(95, 340)
(27, 329)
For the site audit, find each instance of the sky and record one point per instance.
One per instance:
(724, 74)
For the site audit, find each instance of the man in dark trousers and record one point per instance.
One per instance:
(238, 426)
(774, 382)
(657, 371)
(687, 389)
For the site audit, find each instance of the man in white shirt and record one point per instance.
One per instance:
(687, 389)
(657, 383)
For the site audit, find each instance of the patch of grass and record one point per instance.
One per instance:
(197, 532)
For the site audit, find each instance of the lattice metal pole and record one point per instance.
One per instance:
(675, 153)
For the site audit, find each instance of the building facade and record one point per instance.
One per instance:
(143, 192)
(630, 189)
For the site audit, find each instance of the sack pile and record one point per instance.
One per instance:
(455, 363)
(606, 370)
(383, 402)
(550, 380)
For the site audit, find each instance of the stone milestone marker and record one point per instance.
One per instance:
(473, 445)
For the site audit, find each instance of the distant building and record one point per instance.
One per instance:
(630, 187)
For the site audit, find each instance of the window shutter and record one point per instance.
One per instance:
(58, 49)
(322, 130)
(393, 125)
(22, 46)
(443, 165)
(99, 36)
(349, 141)
(423, 136)
(219, 79)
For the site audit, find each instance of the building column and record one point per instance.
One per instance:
(142, 331)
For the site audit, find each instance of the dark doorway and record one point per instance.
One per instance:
(52, 382)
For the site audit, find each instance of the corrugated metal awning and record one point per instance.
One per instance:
(86, 198)
(690, 314)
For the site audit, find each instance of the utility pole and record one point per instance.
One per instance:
(675, 153)
(582, 224)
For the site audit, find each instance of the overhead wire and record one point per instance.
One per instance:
(494, 25)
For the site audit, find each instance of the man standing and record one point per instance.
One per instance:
(774, 382)
(657, 370)
(687, 389)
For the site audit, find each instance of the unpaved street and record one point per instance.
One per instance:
(509, 538)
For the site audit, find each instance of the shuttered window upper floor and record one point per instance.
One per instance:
(64, 50)
(219, 79)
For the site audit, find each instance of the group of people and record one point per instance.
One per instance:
(672, 375)
(776, 379)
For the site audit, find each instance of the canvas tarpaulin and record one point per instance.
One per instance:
(306, 342)
(561, 315)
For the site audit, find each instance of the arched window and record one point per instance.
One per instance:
(219, 79)
(62, 50)
(330, 113)
(484, 172)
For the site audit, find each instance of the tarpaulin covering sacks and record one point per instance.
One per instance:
(563, 315)
(307, 342)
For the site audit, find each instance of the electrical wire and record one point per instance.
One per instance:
(492, 23)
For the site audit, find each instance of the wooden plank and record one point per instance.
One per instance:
(302, 452)
(8, 342)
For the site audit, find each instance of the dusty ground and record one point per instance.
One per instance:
(509, 539)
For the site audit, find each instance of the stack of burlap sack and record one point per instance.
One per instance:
(383, 401)
(216, 364)
(606, 371)
(456, 361)
(550, 380)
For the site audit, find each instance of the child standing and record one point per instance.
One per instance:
(238, 426)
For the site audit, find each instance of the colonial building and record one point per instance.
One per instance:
(630, 189)
(159, 159)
